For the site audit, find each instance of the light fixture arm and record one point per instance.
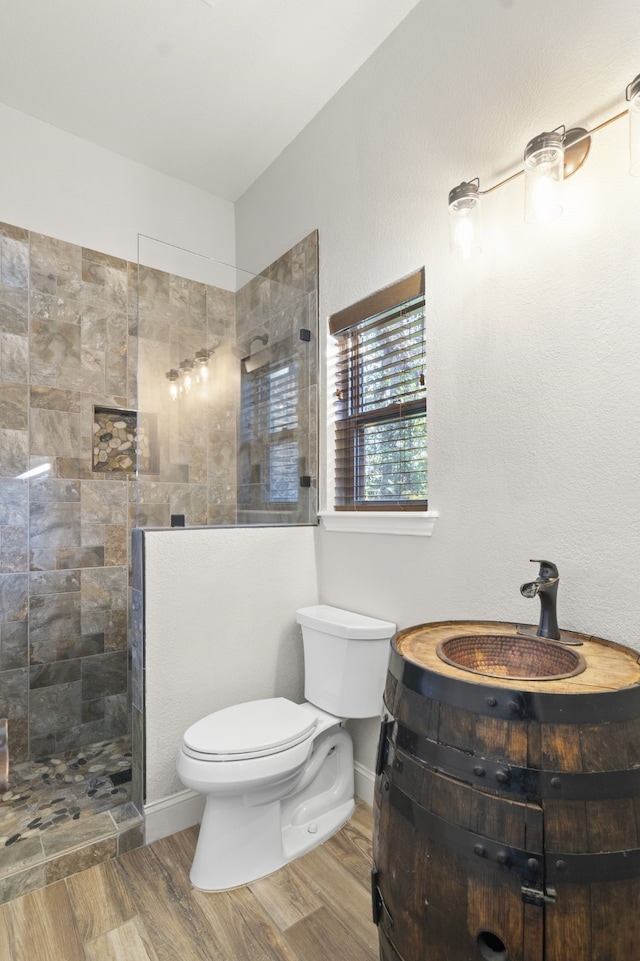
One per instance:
(583, 136)
(549, 159)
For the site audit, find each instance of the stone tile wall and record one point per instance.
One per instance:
(69, 342)
(282, 300)
(64, 346)
(75, 335)
(196, 433)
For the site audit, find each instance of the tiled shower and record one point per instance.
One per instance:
(64, 346)
(85, 336)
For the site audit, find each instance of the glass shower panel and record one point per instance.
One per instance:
(226, 389)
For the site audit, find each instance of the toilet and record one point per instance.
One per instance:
(278, 776)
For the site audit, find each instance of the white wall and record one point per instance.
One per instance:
(59, 185)
(220, 628)
(533, 349)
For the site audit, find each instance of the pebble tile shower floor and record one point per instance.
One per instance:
(65, 813)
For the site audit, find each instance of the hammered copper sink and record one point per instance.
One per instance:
(519, 658)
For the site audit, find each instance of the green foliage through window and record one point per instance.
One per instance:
(381, 430)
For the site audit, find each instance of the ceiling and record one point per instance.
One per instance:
(208, 91)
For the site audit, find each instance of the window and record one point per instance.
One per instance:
(380, 400)
(268, 437)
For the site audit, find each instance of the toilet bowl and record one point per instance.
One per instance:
(278, 776)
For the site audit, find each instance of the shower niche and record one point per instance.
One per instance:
(122, 440)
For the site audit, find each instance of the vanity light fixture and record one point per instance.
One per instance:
(549, 159)
(181, 380)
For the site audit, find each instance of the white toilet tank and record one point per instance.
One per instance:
(345, 660)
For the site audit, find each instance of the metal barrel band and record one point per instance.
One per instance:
(513, 704)
(389, 952)
(381, 915)
(459, 839)
(551, 867)
(527, 783)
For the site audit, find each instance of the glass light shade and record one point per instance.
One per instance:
(186, 367)
(543, 176)
(464, 221)
(633, 96)
(202, 371)
(173, 376)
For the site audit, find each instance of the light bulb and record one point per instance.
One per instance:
(202, 359)
(464, 220)
(543, 176)
(186, 367)
(173, 377)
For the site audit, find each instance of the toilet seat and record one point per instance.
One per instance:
(250, 730)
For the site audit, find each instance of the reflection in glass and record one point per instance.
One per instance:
(227, 361)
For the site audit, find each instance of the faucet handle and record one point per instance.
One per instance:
(530, 589)
(547, 569)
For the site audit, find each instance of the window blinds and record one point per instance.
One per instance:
(380, 410)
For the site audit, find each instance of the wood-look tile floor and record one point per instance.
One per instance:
(141, 907)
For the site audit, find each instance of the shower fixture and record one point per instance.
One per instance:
(245, 348)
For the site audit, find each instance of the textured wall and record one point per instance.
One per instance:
(533, 387)
(220, 628)
(65, 187)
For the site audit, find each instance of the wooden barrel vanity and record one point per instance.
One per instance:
(507, 803)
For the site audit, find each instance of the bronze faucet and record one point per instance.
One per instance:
(546, 587)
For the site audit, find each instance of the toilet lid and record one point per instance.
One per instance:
(251, 729)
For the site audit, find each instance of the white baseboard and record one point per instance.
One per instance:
(172, 814)
(182, 810)
(365, 782)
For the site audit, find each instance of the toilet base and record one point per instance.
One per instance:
(242, 839)
(298, 839)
